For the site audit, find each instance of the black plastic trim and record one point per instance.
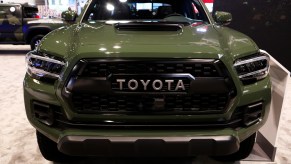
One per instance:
(149, 26)
(147, 146)
(87, 125)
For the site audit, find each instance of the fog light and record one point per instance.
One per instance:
(43, 113)
(253, 113)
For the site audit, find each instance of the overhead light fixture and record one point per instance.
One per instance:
(102, 49)
(12, 9)
(109, 7)
(116, 47)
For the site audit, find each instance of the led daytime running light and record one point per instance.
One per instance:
(43, 66)
(47, 59)
(256, 67)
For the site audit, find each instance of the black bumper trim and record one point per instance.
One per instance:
(147, 146)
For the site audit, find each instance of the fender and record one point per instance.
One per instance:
(29, 32)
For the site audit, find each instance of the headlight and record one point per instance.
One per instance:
(43, 66)
(253, 67)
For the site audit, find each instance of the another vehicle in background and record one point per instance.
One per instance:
(20, 24)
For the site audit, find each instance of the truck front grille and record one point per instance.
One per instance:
(104, 69)
(92, 87)
(146, 104)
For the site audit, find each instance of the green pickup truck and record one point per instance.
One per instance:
(20, 24)
(147, 78)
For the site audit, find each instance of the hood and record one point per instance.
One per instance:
(105, 40)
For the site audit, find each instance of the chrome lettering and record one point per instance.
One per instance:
(180, 85)
(156, 85)
(145, 84)
(169, 84)
(132, 82)
(160, 85)
(120, 81)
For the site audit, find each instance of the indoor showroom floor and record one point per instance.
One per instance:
(17, 136)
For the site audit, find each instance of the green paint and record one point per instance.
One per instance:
(87, 40)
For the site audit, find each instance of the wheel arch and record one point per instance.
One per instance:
(33, 31)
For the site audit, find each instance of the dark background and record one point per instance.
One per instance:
(267, 22)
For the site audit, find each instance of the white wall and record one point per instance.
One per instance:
(19, 1)
(48, 9)
(81, 5)
(37, 2)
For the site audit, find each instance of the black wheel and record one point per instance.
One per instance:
(244, 151)
(49, 150)
(35, 41)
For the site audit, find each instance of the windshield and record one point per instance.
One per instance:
(30, 12)
(144, 10)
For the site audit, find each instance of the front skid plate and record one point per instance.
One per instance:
(147, 146)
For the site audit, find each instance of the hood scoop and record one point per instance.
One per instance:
(148, 26)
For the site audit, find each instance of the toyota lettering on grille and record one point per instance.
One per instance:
(156, 85)
(151, 83)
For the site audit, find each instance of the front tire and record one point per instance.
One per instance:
(35, 41)
(49, 150)
(244, 151)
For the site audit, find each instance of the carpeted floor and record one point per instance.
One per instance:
(17, 136)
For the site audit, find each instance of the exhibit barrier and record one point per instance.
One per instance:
(266, 143)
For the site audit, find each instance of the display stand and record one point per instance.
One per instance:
(265, 147)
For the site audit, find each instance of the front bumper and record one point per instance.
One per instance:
(147, 146)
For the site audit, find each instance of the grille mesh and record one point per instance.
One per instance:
(88, 103)
(161, 102)
(105, 69)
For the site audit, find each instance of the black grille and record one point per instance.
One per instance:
(60, 121)
(93, 89)
(104, 69)
(171, 104)
(237, 119)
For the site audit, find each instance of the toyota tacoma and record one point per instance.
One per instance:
(147, 78)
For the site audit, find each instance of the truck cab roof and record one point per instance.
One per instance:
(18, 4)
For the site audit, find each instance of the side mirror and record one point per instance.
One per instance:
(222, 18)
(69, 16)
